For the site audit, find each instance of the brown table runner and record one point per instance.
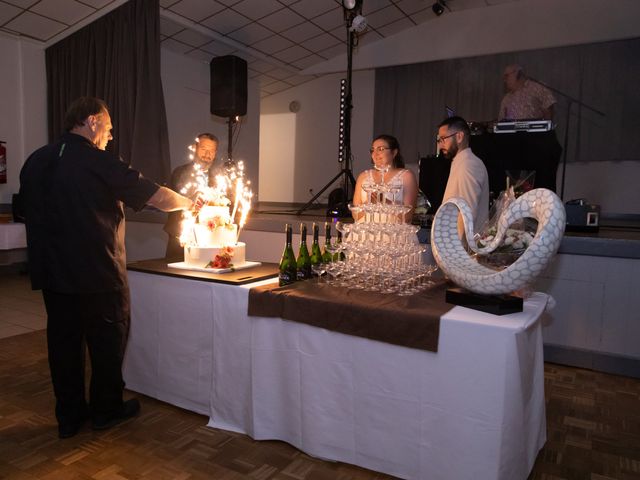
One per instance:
(412, 321)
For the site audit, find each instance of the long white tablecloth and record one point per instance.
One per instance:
(473, 410)
(12, 235)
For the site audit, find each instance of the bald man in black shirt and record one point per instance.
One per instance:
(73, 194)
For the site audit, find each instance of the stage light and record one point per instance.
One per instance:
(358, 24)
(351, 4)
(341, 132)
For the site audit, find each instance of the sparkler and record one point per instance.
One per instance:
(232, 182)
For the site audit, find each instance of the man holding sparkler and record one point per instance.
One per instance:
(188, 179)
(73, 194)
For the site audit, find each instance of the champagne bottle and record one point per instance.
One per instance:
(339, 255)
(316, 253)
(304, 261)
(288, 267)
(327, 256)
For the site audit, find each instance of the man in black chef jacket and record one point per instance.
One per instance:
(73, 195)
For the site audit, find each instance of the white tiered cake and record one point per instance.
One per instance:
(213, 235)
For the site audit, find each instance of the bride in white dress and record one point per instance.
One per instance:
(388, 164)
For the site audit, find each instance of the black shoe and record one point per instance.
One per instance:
(129, 409)
(68, 430)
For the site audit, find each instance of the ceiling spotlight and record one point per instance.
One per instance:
(358, 24)
(439, 6)
(350, 4)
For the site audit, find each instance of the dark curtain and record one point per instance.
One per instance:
(116, 58)
(410, 99)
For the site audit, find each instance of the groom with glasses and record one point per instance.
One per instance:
(468, 178)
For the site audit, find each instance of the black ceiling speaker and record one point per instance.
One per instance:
(438, 7)
(228, 86)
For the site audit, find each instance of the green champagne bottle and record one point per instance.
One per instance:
(327, 256)
(304, 260)
(316, 253)
(288, 267)
(339, 255)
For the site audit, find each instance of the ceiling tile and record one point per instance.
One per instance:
(330, 20)
(7, 12)
(334, 51)
(392, 28)
(281, 20)
(174, 46)
(300, 79)
(290, 54)
(371, 6)
(169, 28)
(25, 4)
(167, 3)
(301, 32)
(193, 38)
(275, 87)
(196, 10)
(217, 48)
(229, 3)
(98, 3)
(199, 55)
(264, 79)
(368, 37)
(245, 56)
(321, 42)
(340, 33)
(275, 43)
(313, 8)
(280, 73)
(423, 16)
(226, 21)
(255, 10)
(307, 61)
(35, 26)
(250, 34)
(262, 66)
(385, 16)
(412, 6)
(68, 12)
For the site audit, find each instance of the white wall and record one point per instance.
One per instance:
(277, 156)
(185, 82)
(23, 123)
(315, 133)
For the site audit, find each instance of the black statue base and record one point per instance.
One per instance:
(496, 304)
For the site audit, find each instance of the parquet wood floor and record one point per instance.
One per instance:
(593, 425)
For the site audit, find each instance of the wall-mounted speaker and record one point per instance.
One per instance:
(228, 86)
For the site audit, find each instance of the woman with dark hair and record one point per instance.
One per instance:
(388, 169)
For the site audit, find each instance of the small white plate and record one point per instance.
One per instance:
(242, 266)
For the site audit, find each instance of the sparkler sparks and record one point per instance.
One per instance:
(230, 184)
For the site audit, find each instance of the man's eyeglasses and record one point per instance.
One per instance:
(379, 149)
(442, 139)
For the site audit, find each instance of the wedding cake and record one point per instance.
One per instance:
(213, 241)
(210, 234)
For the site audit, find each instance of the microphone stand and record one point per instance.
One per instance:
(570, 101)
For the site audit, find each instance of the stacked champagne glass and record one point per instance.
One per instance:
(381, 250)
